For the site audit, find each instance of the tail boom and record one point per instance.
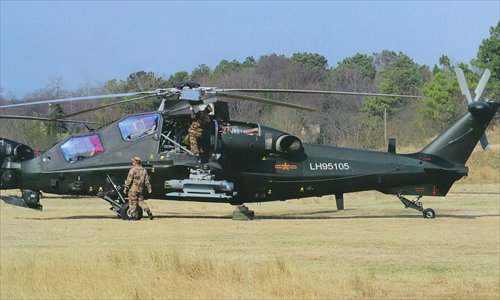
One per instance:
(457, 142)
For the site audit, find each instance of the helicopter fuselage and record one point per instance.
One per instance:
(239, 162)
(260, 163)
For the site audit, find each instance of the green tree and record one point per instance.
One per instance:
(144, 81)
(55, 89)
(488, 56)
(177, 77)
(400, 76)
(249, 62)
(200, 73)
(312, 60)
(441, 102)
(361, 63)
(444, 61)
(226, 66)
(55, 128)
(136, 82)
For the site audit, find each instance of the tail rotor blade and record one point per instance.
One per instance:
(484, 142)
(482, 83)
(463, 85)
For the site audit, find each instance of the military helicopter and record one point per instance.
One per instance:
(244, 162)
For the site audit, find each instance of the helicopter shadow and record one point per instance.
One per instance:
(269, 217)
(317, 216)
(16, 201)
(79, 217)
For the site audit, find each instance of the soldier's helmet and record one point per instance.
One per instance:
(137, 159)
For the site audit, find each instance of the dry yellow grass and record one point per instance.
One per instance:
(294, 249)
(484, 166)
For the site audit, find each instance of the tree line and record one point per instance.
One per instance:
(343, 120)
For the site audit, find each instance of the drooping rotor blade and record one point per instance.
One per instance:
(46, 119)
(314, 92)
(76, 99)
(484, 142)
(263, 100)
(463, 85)
(180, 109)
(162, 105)
(482, 84)
(103, 106)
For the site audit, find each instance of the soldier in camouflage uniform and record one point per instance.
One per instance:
(137, 181)
(200, 120)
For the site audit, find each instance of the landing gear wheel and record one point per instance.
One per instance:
(429, 213)
(125, 215)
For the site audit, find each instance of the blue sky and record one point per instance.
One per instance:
(89, 41)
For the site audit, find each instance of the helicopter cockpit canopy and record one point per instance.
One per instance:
(81, 147)
(136, 127)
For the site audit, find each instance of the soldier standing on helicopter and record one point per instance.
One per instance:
(137, 181)
(200, 118)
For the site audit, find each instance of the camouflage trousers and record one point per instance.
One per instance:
(135, 199)
(194, 143)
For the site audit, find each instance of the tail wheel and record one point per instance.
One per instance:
(429, 213)
(125, 213)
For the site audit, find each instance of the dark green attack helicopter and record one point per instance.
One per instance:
(245, 162)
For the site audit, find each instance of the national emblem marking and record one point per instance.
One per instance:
(285, 167)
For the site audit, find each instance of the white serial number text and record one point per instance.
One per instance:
(329, 166)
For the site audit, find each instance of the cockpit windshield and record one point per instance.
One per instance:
(82, 147)
(135, 127)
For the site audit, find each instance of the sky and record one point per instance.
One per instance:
(95, 41)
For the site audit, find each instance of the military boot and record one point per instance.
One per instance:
(150, 215)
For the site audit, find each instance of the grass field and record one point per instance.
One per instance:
(295, 249)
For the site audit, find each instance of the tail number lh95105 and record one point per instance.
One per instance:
(329, 166)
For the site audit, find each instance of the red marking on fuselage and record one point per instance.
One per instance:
(435, 190)
(285, 167)
(420, 189)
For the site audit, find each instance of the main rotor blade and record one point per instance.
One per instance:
(76, 99)
(482, 84)
(102, 106)
(315, 92)
(463, 85)
(263, 100)
(47, 119)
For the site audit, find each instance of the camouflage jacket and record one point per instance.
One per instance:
(200, 119)
(137, 180)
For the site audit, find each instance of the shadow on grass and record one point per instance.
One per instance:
(304, 216)
(80, 217)
(316, 215)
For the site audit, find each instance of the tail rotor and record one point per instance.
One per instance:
(464, 88)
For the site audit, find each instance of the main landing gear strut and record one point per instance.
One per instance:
(118, 203)
(428, 213)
